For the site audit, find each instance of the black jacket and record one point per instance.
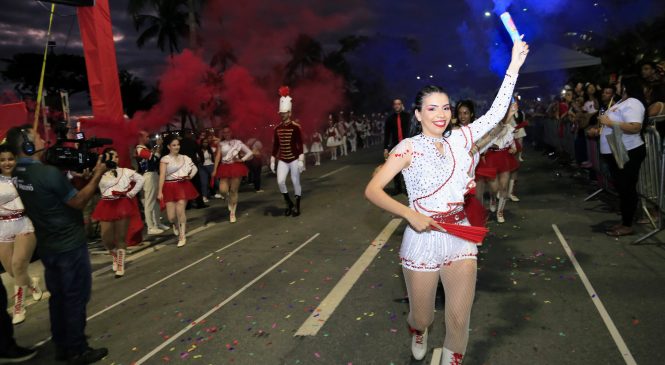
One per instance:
(390, 139)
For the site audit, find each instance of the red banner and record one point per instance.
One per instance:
(99, 50)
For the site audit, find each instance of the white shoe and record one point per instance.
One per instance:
(232, 218)
(492, 205)
(121, 263)
(451, 358)
(500, 218)
(114, 256)
(175, 230)
(205, 200)
(155, 231)
(419, 345)
(182, 242)
(163, 227)
(36, 290)
(514, 198)
(218, 196)
(259, 191)
(19, 305)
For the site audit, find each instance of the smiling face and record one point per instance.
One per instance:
(435, 114)
(7, 163)
(464, 115)
(174, 146)
(226, 134)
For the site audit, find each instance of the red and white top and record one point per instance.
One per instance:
(10, 203)
(505, 139)
(436, 182)
(179, 167)
(231, 149)
(127, 183)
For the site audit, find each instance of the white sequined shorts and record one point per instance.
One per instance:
(428, 251)
(11, 228)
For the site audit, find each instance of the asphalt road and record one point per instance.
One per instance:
(238, 293)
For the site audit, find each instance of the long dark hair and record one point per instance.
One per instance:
(469, 105)
(633, 87)
(167, 141)
(416, 127)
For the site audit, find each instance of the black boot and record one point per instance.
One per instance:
(289, 204)
(296, 210)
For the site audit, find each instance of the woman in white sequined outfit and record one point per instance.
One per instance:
(435, 168)
(17, 237)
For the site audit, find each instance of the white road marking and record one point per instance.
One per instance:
(614, 332)
(165, 278)
(334, 172)
(40, 343)
(436, 356)
(223, 303)
(324, 311)
(151, 249)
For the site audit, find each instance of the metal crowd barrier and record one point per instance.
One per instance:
(651, 183)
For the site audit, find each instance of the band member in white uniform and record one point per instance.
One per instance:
(436, 183)
(119, 187)
(230, 168)
(175, 187)
(287, 154)
(17, 237)
(317, 147)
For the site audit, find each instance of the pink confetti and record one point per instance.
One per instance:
(318, 356)
(274, 325)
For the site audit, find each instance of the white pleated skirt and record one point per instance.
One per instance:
(428, 251)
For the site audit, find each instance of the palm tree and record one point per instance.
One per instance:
(167, 22)
(224, 56)
(305, 53)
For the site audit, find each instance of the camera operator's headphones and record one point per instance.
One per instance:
(27, 146)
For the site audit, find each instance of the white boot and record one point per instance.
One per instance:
(114, 256)
(232, 214)
(511, 185)
(120, 271)
(182, 238)
(492, 203)
(19, 304)
(419, 344)
(34, 288)
(499, 212)
(175, 229)
(451, 358)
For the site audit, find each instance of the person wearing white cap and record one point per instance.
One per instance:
(287, 153)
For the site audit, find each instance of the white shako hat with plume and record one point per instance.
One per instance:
(285, 103)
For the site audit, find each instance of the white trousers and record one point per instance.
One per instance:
(150, 205)
(343, 147)
(283, 169)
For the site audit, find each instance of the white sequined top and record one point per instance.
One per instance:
(505, 139)
(178, 168)
(120, 183)
(231, 149)
(436, 183)
(10, 203)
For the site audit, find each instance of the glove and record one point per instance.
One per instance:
(301, 163)
(272, 164)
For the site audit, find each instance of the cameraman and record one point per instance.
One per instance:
(55, 208)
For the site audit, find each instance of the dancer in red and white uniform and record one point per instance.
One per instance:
(17, 237)
(230, 168)
(437, 178)
(501, 157)
(175, 187)
(317, 147)
(333, 139)
(119, 187)
(287, 154)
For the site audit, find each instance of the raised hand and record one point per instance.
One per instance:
(520, 51)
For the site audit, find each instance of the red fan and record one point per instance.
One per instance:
(522, 125)
(284, 91)
(469, 233)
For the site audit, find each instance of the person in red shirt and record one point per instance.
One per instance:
(287, 154)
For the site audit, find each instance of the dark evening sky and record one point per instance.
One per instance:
(456, 33)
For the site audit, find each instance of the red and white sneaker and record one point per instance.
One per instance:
(451, 358)
(418, 343)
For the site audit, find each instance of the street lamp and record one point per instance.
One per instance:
(488, 14)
